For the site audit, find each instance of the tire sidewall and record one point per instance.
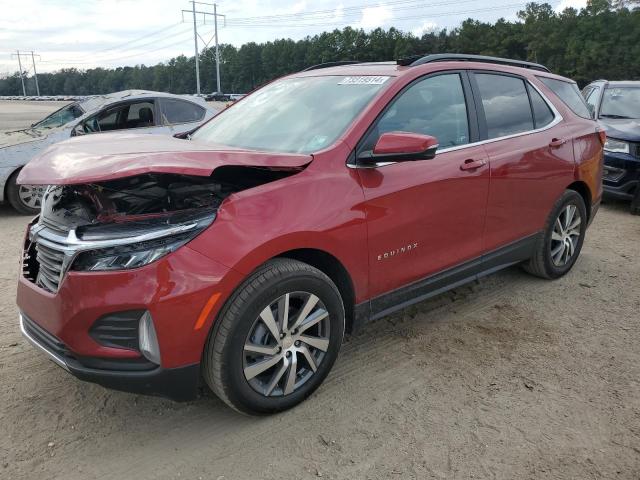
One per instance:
(238, 388)
(13, 196)
(573, 198)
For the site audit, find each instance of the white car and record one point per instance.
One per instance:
(144, 111)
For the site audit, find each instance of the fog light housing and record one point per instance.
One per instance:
(148, 339)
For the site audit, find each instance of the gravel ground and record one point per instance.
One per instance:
(511, 377)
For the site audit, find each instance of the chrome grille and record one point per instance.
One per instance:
(51, 263)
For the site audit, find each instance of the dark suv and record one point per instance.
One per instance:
(616, 106)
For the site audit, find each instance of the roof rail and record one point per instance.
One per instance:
(444, 57)
(330, 64)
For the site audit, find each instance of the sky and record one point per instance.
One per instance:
(110, 33)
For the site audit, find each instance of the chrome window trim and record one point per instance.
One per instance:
(556, 120)
(56, 359)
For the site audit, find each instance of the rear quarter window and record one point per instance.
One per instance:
(568, 92)
(180, 111)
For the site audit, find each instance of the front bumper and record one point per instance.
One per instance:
(621, 176)
(180, 384)
(174, 289)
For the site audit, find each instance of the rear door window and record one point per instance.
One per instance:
(568, 92)
(180, 111)
(506, 104)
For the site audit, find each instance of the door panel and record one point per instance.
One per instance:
(528, 175)
(428, 215)
(531, 160)
(423, 216)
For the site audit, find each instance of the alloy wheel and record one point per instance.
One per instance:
(31, 195)
(565, 235)
(286, 344)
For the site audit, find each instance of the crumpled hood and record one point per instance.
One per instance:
(17, 137)
(622, 128)
(97, 158)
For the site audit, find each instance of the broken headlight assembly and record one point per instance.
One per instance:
(152, 240)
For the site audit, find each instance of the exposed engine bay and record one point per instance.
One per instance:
(148, 198)
(129, 222)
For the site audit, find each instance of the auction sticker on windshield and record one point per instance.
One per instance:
(363, 80)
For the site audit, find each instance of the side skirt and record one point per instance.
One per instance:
(445, 280)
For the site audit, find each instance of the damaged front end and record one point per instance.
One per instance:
(128, 222)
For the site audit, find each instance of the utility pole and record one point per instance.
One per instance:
(215, 15)
(215, 22)
(195, 41)
(24, 92)
(35, 74)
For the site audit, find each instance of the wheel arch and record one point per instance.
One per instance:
(332, 268)
(4, 197)
(583, 189)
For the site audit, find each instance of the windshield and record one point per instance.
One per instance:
(60, 117)
(621, 102)
(294, 115)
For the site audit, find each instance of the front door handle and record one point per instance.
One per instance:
(471, 164)
(557, 142)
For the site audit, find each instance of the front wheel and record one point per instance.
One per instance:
(561, 242)
(25, 199)
(276, 339)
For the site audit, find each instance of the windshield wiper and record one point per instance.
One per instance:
(612, 115)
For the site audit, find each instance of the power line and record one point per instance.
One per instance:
(332, 11)
(135, 40)
(232, 24)
(122, 57)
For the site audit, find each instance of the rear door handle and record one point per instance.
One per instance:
(471, 164)
(557, 142)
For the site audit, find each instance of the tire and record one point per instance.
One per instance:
(544, 263)
(635, 202)
(230, 363)
(18, 201)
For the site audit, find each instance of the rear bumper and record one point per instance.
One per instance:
(180, 384)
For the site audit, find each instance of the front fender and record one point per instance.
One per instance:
(309, 210)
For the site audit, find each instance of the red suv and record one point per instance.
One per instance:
(240, 254)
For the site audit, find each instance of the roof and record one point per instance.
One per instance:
(393, 69)
(625, 83)
(98, 101)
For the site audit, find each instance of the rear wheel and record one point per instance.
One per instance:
(558, 248)
(635, 202)
(276, 339)
(26, 199)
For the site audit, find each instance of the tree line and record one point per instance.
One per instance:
(601, 40)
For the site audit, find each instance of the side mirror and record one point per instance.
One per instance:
(401, 147)
(592, 110)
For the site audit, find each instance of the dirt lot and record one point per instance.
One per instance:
(509, 378)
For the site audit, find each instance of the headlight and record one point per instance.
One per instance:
(617, 146)
(126, 253)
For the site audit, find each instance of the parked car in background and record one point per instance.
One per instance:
(325, 199)
(139, 110)
(616, 106)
